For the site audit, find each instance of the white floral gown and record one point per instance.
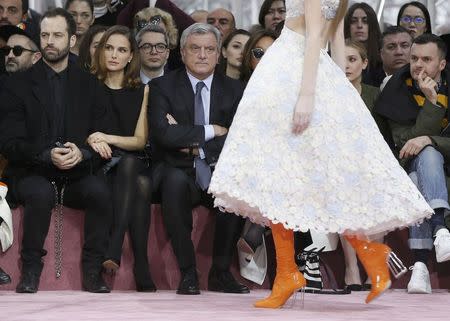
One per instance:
(337, 176)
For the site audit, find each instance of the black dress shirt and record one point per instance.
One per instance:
(58, 88)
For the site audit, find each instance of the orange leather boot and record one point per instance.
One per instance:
(288, 279)
(377, 259)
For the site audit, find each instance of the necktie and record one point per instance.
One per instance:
(202, 169)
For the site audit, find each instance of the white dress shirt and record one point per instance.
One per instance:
(145, 79)
(206, 99)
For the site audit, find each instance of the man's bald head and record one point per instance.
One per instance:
(223, 20)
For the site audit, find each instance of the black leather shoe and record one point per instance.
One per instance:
(189, 283)
(223, 281)
(4, 277)
(29, 282)
(93, 282)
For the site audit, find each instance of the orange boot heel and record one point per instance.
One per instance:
(377, 259)
(288, 279)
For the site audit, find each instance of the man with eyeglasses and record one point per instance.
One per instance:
(20, 52)
(154, 51)
(191, 110)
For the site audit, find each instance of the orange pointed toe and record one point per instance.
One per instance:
(284, 286)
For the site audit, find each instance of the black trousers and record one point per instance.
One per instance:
(37, 194)
(179, 194)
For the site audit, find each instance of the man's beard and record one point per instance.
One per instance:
(12, 66)
(56, 56)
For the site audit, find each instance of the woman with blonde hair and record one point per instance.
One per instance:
(303, 152)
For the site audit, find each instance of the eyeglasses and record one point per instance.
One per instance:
(148, 47)
(17, 50)
(258, 53)
(154, 20)
(417, 20)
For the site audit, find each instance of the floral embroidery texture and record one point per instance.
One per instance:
(337, 176)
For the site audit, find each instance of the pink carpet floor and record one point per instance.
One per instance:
(167, 306)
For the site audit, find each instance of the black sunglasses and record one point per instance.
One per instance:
(17, 50)
(258, 53)
(155, 20)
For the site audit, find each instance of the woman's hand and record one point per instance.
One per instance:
(103, 149)
(302, 113)
(98, 137)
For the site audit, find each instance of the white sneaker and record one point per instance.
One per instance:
(442, 245)
(420, 279)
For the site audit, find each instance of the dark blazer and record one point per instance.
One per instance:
(25, 123)
(173, 94)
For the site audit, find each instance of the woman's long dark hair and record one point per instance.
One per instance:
(84, 56)
(131, 78)
(223, 61)
(265, 7)
(246, 69)
(373, 41)
(424, 10)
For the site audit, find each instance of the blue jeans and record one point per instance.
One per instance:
(427, 172)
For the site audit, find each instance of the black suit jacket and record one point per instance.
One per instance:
(173, 94)
(25, 123)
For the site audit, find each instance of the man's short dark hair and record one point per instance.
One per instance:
(393, 30)
(60, 12)
(432, 38)
(151, 28)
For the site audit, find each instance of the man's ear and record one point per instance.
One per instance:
(442, 64)
(36, 56)
(182, 54)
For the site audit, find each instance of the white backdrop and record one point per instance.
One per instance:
(246, 11)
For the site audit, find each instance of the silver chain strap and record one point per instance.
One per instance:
(59, 201)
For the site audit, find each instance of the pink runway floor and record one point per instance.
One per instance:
(167, 306)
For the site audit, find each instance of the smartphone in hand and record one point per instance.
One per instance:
(61, 145)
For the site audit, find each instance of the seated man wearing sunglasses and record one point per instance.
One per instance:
(20, 51)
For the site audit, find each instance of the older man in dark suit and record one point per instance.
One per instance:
(47, 114)
(191, 110)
